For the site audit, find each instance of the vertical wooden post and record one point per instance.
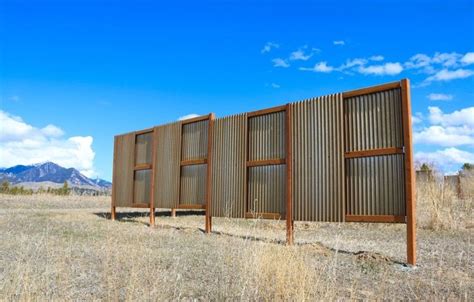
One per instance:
(210, 129)
(289, 171)
(153, 171)
(112, 208)
(173, 213)
(409, 173)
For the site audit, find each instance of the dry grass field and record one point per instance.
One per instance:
(66, 248)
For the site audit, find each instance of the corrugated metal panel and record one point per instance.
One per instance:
(194, 144)
(228, 166)
(373, 121)
(168, 153)
(375, 185)
(142, 186)
(267, 136)
(123, 169)
(267, 189)
(318, 159)
(193, 184)
(144, 149)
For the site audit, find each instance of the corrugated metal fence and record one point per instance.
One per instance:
(341, 157)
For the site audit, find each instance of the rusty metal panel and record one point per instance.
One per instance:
(168, 153)
(194, 143)
(123, 169)
(375, 185)
(318, 159)
(267, 136)
(193, 184)
(142, 186)
(266, 189)
(144, 148)
(228, 166)
(373, 121)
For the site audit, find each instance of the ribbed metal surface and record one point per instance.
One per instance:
(144, 148)
(193, 184)
(194, 143)
(267, 136)
(142, 186)
(168, 140)
(123, 169)
(318, 159)
(228, 166)
(373, 121)
(266, 189)
(375, 185)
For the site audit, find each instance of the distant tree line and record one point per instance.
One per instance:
(6, 188)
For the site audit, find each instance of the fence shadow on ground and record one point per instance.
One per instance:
(132, 215)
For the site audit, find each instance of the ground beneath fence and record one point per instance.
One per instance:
(67, 248)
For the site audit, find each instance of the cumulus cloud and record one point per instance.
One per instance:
(269, 46)
(339, 42)
(468, 58)
(439, 97)
(300, 55)
(448, 75)
(449, 159)
(452, 131)
(376, 58)
(274, 85)
(188, 116)
(319, 67)
(385, 69)
(22, 143)
(279, 62)
(461, 117)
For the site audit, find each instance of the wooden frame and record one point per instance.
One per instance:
(373, 152)
(409, 172)
(210, 132)
(375, 218)
(274, 161)
(372, 89)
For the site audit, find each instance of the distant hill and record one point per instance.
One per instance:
(50, 172)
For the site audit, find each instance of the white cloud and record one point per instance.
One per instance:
(448, 75)
(446, 59)
(461, 117)
(269, 46)
(319, 67)
(417, 118)
(274, 85)
(352, 62)
(279, 62)
(376, 58)
(468, 58)
(300, 55)
(339, 42)
(439, 97)
(21, 143)
(449, 159)
(385, 69)
(445, 136)
(188, 116)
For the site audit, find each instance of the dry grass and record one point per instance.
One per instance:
(64, 248)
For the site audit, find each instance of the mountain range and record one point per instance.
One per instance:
(50, 172)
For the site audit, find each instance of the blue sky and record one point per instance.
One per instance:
(75, 73)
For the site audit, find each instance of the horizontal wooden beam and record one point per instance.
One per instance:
(373, 89)
(191, 206)
(196, 119)
(140, 205)
(374, 152)
(143, 167)
(144, 131)
(275, 216)
(267, 111)
(266, 162)
(376, 218)
(198, 161)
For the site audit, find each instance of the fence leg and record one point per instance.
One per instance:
(208, 222)
(112, 213)
(152, 217)
(173, 213)
(289, 232)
